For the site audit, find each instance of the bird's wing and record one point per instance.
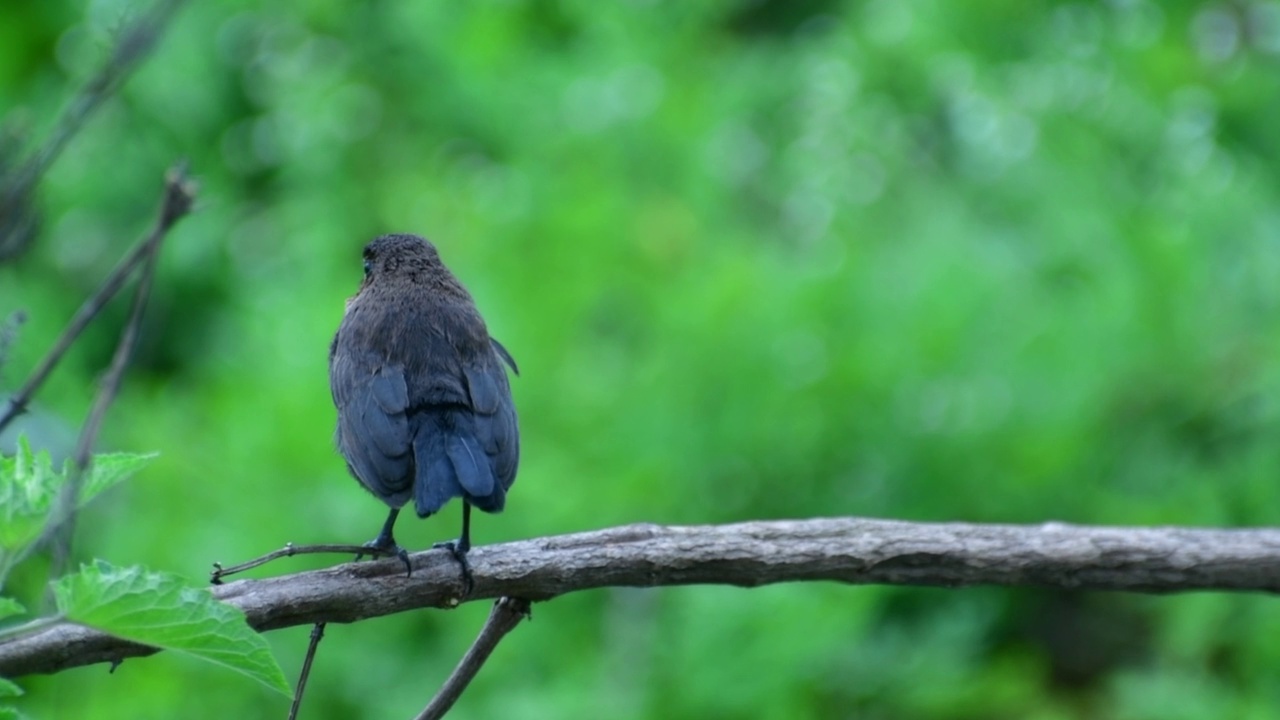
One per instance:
(373, 427)
(506, 356)
(495, 413)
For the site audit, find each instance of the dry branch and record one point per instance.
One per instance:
(503, 618)
(848, 550)
(179, 194)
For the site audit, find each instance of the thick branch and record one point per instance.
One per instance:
(848, 550)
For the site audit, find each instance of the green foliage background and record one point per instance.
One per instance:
(982, 261)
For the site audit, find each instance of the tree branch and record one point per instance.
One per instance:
(503, 618)
(848, 550)
(179, 194)
(317, 634)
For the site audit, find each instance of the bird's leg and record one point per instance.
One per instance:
(460, 547)
(385, 543)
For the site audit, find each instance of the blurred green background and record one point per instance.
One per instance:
(979, 261)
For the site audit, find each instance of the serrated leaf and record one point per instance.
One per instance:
(160, 609)
(29, 489)
(108, 470)
(9, 689)
(28, 486)
(10, 607)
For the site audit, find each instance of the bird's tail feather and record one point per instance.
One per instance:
(451, 463)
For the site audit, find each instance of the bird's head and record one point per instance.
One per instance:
(401, 256)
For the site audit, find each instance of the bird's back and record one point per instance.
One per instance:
(424, 403)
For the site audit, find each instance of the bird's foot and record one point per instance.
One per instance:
(459, 549)
(385, 546)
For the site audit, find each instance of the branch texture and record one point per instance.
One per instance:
(848, 550)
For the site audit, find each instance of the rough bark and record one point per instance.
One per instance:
(847, 550)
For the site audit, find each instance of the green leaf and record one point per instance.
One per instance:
(28, 485)
(29, 488)
(10, 607)
(108, 470)
(9, 688)
(160, 609)
(10, 713)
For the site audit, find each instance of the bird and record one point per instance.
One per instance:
(424, 406)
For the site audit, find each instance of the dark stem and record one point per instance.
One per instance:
(464, 542)
(317, 634)
(178, 198)
(289, 550)
(87, 312)
(179, 195)
(506, 614)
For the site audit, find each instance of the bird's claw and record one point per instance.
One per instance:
(459, 551)
(387, 547)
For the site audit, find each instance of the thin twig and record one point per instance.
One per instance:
(289, 550)
(317, 634)
(87, 312)
(17, 190)
(179, 194)
(178, 198)
(506, 615)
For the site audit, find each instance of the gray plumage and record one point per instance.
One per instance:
(424, 406)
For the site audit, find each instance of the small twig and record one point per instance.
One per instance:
(17, 189)
(87, 312)
(18, 220)
(179, 194)
(317, 634)
(289, 550)
(506, 614)
(178, 198)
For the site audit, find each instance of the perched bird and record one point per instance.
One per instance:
(424, 406)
